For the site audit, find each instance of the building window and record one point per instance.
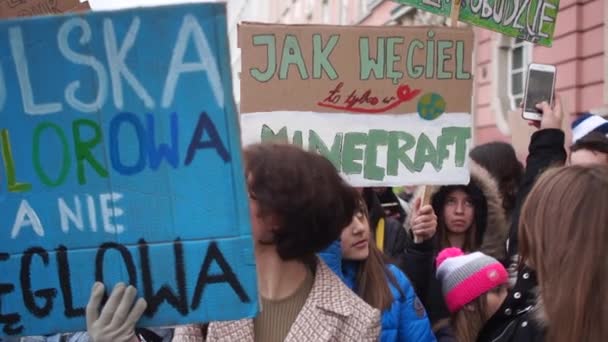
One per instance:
(402, 15)
(519, 56)
(508, 69)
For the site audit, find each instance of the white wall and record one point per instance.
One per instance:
(238, 11)
(100, 5)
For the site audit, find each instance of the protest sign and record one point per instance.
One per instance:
(531, 20)
(81, 7)
(387, 105)
(121, 161)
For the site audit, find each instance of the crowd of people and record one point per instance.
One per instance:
(518, 254)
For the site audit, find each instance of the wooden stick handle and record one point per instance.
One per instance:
(425, 199)
(455, 13)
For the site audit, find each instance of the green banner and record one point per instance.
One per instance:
(531, 20)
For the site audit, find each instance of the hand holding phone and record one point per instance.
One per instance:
(552, 116)
(540, 87)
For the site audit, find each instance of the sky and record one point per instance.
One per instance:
(116, 4)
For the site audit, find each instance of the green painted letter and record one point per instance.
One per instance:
(352, 154)
(368, 64)
(292, 54)
(271, 61)
(65, 156)
(316, 144)
(430, 54)
(398, 153)
(425, 153)
(297, 139)
(321, 56)
(442, 57)
(83, 148)
(392, 58)
(457, 136)
(371, 170)
(269, 135)
(461, 74)
(9, 165)
(414, 71)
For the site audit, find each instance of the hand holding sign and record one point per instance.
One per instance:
(423, 221)
(117, 319)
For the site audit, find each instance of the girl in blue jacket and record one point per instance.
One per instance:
(361, 265)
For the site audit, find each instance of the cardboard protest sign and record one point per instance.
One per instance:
(81, 7)
(531, 20)
(387, 105)
(121, 161)
(29, 8)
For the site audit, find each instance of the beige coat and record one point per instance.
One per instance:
(332, 312)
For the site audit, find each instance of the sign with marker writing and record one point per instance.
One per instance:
(531, 20)
(121, 161)
(387, 105)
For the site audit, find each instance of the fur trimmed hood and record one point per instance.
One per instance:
(494, 234)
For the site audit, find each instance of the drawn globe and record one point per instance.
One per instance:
(431, 106)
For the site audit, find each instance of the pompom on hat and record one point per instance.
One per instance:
(587, 123)
(465, 277)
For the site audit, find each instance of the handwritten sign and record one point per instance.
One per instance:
(387, 105)
(531, 20)
(121, 161)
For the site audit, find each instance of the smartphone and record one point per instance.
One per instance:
(539, 87)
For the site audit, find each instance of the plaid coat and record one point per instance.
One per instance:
(332, 312)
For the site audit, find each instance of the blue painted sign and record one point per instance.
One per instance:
(121, 161)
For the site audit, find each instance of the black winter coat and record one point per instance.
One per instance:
(546, 149)
(514, 321)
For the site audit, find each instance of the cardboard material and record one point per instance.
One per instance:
(81, 7)
(531, 20)
(121, 161)
(335, 89)
(28, 8)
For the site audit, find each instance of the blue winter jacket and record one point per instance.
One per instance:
(406, 319)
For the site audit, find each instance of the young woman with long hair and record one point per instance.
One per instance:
(470, 217)
(563, 235)
(474, 287)
(365, 269)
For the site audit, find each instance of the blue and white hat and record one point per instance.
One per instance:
(587, 123)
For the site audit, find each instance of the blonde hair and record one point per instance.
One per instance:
(468, 321)
(563, 235)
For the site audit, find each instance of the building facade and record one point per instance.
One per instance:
(239, 11)
(500, 62)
